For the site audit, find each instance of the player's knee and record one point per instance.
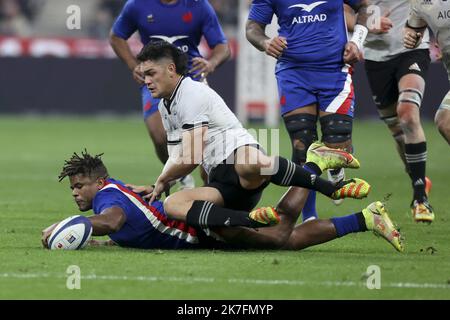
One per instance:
(409, 119)
(336, 129)
(176, 207)
(247, 170)
(302, 129)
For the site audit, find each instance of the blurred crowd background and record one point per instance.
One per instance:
(27, 18)
(99, 82)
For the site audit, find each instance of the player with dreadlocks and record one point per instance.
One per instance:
(129, 221)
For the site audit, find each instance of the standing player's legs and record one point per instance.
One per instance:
(384, 87)
(157, 133)
(400, 83)
(336, 103)
(299, 110)
(411, 73)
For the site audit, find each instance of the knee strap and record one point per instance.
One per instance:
(303, 128)
(411, 95)
(336, 128)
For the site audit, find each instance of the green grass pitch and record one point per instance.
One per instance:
(32, 154)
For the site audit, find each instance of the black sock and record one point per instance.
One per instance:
(313, 168)
(290, 174)
(416, 156)
(206, 214)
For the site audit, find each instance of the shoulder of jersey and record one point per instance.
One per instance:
(196, 89)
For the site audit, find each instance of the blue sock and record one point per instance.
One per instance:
(349, 224)
(309, 209)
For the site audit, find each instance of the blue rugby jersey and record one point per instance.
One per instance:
(315, 31)
(146, 227)
(182, 24)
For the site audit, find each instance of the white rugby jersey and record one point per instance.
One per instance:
(384, 47)
(436, 14)
(193, 105)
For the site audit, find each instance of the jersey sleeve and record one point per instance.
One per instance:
(415, 18)
(261, 11)
(109, 198)
(211, 29)
(125, 24)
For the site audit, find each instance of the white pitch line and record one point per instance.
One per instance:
(407, 285)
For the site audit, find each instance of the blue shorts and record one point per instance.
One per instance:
(331, 91)
(149, 104)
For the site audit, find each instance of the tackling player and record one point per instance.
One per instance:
(129, 221)
(436, 15)
(182, 23)
(313, 70)
(201, 129)
(397, 79)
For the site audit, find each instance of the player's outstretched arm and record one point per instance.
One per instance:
(108, 221)
(182, 161)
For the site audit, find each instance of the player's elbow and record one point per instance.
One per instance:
(114, 40)
(226, 52)
(115, 224)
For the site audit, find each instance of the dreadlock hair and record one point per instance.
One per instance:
(158, 50)
(88, 165)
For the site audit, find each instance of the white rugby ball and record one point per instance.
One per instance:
(72, 233)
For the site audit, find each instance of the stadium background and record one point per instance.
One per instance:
(62, 90)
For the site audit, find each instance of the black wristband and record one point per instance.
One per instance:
(415, 28)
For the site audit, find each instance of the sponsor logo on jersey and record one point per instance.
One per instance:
(171, 40)
(311, 18)
(187, 17)
(150, 18)
(444, 15)
(415, 66)
(308, 7)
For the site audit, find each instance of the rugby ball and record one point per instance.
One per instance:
(72, 233)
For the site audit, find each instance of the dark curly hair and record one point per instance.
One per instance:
(157, 50)
(88, 165)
